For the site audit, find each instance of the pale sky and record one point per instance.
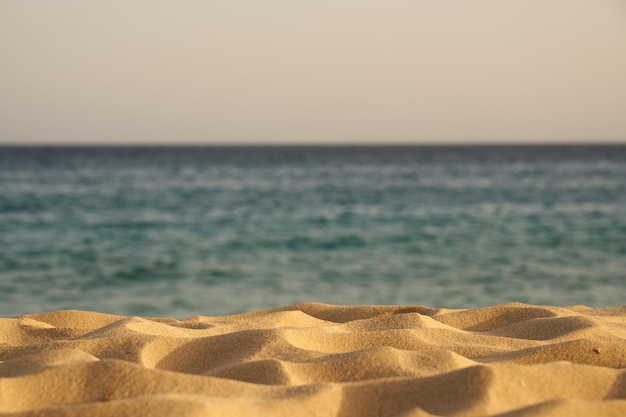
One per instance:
(316, 71)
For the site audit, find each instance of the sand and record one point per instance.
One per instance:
(319, 360)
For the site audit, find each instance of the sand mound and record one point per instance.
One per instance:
(319, 360)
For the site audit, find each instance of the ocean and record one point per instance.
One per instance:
(182, 231)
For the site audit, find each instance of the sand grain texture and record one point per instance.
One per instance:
(511, 360)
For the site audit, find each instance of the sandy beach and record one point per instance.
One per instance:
(319, 360)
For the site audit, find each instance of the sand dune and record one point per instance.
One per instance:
(509, 360)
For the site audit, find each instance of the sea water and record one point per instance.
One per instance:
(180, 231)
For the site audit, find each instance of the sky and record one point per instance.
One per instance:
(312, 72)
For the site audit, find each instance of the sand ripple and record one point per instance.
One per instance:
(319, 360)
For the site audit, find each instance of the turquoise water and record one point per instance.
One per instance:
(187, 231)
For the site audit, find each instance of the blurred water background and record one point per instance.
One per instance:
(181, 231)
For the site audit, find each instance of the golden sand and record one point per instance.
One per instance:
(319, 360)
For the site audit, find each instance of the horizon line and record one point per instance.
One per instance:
(306, 144)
